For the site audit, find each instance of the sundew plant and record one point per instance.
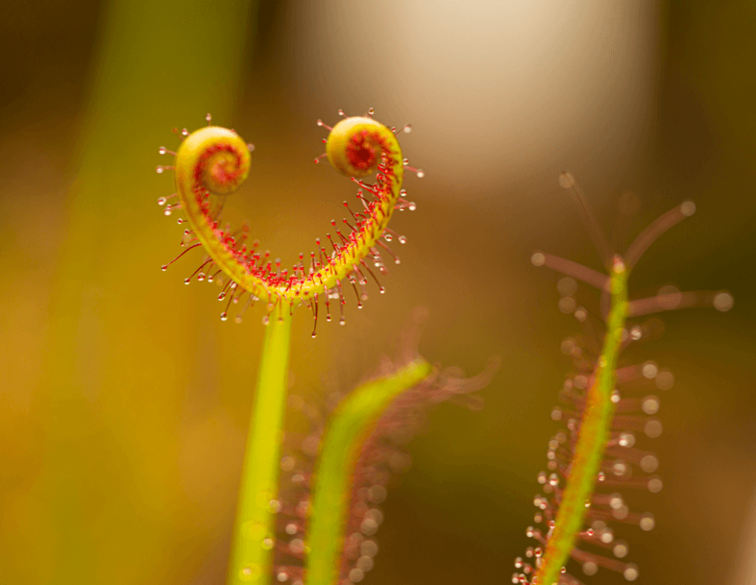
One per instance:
(609, 406)
(317, 533)
(309, 507)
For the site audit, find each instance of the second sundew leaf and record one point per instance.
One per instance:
(592, 439)
(351, 425)
(596, 454)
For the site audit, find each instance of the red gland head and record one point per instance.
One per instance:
(355, 146)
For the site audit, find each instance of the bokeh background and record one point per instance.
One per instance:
(124, 400)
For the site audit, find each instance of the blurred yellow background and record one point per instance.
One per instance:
(124, 400)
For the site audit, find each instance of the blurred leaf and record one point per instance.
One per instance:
(117, 365)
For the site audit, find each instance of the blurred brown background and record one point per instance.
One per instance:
(124, 400)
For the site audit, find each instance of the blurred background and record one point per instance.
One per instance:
(124, 400)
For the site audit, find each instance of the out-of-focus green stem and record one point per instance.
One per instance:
(592, 437)
(254, 531)
(350, 426)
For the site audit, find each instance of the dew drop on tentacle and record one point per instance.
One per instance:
(250, 572)
(420, 173)
(688, 208)
(653, 429)
(626, 439)
(664, 380)
(324, 125)
(723, 301)
(566, 181)
(538, 259)
(655, 485)
(631, 572)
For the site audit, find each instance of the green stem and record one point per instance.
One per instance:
(350, 426)
(254, 531)
(592, 437)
